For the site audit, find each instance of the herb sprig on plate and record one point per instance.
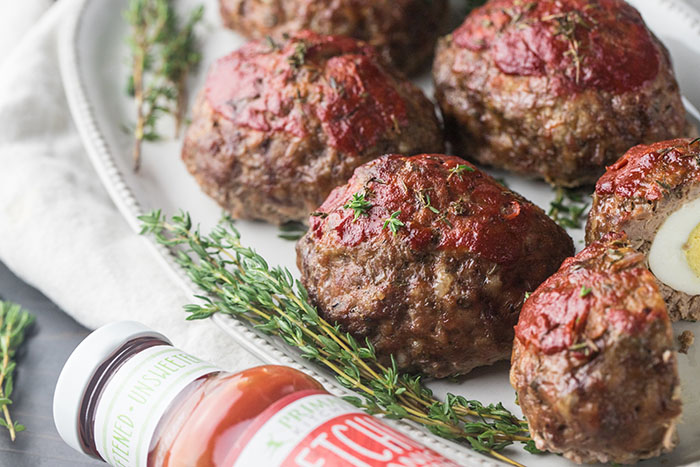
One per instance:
(238, 282)
(569, 208)
(163, 52)
(14, 322)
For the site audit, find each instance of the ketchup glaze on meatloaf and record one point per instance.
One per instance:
(593, 361)
(556, 89)
(429, 258)
(279, 124)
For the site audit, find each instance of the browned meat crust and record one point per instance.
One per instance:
(516, 95)
(404, 31)
(279, 125)
(593, 362)
(441, 294)
(638, 193)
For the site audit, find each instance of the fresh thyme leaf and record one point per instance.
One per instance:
(531, 448)
(663, 185)
(393, 223)
(568, 208)
(457, 170)
(163, 51)
(298, 58)
(585, 291)
(14, 322)
(527, 295)
(359, 205)
(424, 199)
(238, 282)
(292, 230)
(579, 346)
(271, 42)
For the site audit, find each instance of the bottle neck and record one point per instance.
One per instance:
(102, 376)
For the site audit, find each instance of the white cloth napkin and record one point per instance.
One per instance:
(59, 231)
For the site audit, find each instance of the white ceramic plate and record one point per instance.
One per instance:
(94, 66)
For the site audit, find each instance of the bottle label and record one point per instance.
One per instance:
(136, 397)
(315, 429)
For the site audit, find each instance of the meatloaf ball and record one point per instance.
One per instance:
(428, 258)
(556, 89)
(593, 363)
(653, 194)
(278, 126)
(403, 31)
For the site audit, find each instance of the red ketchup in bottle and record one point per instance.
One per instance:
(128, 397)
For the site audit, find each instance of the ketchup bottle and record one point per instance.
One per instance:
(128, 397)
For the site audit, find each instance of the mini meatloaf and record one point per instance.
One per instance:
(430, 259)
(593, 363)
(279, 125)
(556, 89)
(640, 194)
(403, 31)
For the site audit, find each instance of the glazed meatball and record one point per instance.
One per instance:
(279, 125)
(653, 194)
(428, 258)
(403, 31)
(593, 363)
(556, 89)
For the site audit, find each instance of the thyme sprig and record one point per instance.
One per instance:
(393, 223)
(14, 322)
(359, 204)
(238, 282)
(568, 208)
(457, 170)
(162, 54)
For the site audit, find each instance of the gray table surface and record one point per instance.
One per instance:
(52, 339)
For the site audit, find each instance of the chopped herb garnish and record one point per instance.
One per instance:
(568, 208)
(663, 185)
(527, 295)
(393, 223)
(337, 87)
(271, 42)
(298, 58)
(424, 199)
(566, 24)
(587, 346)
(359, 204)
(585, 291)
(458, 170)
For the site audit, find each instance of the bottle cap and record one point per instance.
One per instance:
(80, 368)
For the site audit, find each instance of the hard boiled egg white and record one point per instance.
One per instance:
(674, 257)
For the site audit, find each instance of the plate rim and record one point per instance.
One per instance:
(123, 197)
